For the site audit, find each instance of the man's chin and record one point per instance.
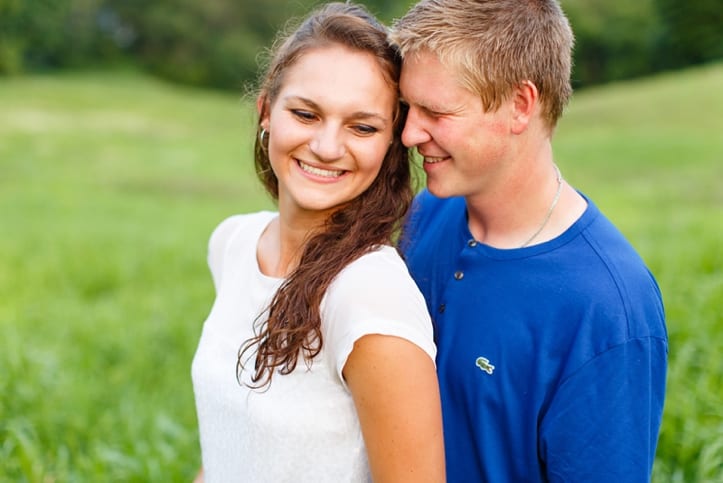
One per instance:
(439, 190)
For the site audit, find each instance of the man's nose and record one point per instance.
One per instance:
(414, 133)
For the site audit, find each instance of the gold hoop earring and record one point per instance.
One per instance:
(262, 134)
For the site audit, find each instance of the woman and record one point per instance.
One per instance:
(316, 362)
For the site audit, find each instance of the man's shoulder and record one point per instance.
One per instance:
(430, 220)
(614, 250)
(428, 209)
(631, 285)
(426, 200)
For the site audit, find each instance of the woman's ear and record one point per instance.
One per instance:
(525, 100)
(262, 107)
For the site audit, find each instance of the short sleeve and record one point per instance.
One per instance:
(602, 423)
(217, 245)
(374, 295)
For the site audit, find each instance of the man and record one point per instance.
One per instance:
(552, 346)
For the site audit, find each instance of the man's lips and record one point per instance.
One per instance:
(434, 159)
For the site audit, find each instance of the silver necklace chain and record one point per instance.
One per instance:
(549, 212)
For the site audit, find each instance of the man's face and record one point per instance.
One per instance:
(462, 145)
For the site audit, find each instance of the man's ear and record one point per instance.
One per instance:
(525, 99)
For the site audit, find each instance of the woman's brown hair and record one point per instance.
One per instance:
(293, 325)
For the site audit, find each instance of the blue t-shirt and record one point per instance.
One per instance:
(551, 358)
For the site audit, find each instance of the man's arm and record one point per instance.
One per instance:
(604, 420)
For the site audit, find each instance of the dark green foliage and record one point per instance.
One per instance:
(45, 34)
(621, 39)
(61, 33)
(213, 43)
(218, 42)
(692, 31)
(614, 39)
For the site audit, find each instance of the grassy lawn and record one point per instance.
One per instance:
(111, 182)
(650, 153)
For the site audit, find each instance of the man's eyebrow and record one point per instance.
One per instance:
(437, 109)
(422, 106)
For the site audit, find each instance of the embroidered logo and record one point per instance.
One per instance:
(484, 364)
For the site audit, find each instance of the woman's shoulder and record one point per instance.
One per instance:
(233, 228)
(243, 220)
(380, 274)
(375, 294)
(382, 259)
(238, 223)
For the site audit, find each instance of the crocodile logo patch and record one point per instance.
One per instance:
(484, 364)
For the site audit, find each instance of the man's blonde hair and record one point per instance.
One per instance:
(495, 45)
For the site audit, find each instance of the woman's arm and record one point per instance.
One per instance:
(396, 394)
(199, 476)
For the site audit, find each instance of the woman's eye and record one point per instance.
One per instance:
(303, 115)
(364, 129)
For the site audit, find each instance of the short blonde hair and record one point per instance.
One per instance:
(495, 45)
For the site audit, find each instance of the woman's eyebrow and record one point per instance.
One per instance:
(354, 115)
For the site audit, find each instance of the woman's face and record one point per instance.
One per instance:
(329, 129)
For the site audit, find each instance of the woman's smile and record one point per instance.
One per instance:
(330, 127)
(321, 172)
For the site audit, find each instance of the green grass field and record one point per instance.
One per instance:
(111, 182)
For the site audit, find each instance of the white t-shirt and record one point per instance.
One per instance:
(303, 427)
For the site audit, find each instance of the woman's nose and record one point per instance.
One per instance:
(328, 143)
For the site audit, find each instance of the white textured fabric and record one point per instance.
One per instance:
(303, 427)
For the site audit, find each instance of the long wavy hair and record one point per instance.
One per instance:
(292, 327)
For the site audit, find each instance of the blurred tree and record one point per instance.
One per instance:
(12, 42)
(204, 43)
(387, 10)
(614, 39)
(42, 34)
(217, 43)
(692, 32)
(214, 42)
